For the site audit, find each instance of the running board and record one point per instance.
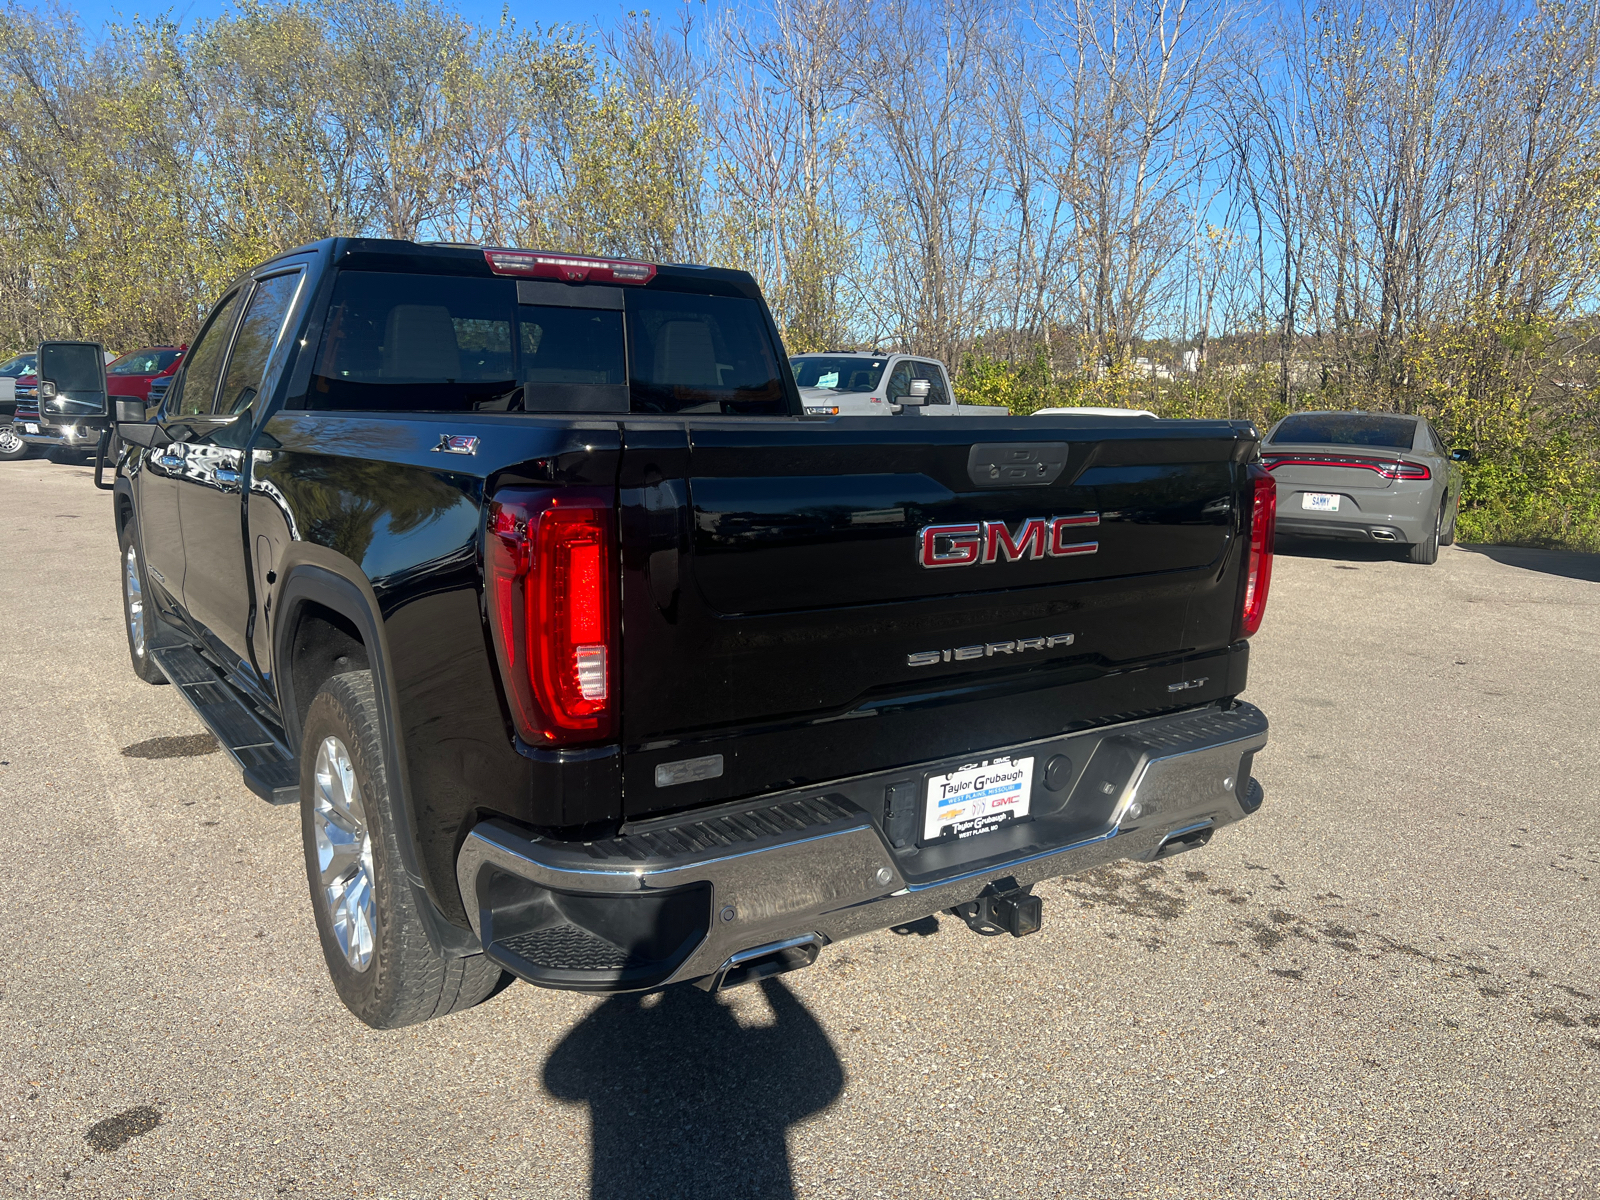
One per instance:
(270, 770)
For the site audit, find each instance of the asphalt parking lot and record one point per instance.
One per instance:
(1384, 984)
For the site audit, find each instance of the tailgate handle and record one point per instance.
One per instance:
(1016, 464)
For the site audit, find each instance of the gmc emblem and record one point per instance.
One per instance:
(990, 541)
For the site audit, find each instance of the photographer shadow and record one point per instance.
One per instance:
(683, 1101)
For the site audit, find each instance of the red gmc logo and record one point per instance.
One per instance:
(992, 541)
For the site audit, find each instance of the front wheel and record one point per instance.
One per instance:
(11, 444)
(137, 616)
(377, 950)
(1447, 535)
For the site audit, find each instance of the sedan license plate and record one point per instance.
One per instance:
(1319, 502)
(977, 799)
(30, 427)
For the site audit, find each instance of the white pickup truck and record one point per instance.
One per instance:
(859, 384)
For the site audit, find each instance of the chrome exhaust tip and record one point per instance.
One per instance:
(763, 962)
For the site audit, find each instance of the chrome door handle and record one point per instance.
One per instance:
(171, 460)
(227, 475)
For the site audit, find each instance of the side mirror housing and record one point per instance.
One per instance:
(1461, 455)
(137, 433)
(917, 394)
(130, 412)
(72, 381)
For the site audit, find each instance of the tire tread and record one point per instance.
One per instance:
(421, 983)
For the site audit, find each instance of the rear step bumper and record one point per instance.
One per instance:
(702, 896)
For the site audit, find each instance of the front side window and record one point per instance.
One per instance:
(838, 374)
(1376, 430)
(22, 364)
(899, 382)
(204, 369)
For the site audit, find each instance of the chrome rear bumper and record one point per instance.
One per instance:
(685, 898)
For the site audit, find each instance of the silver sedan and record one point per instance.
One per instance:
(1371, 477)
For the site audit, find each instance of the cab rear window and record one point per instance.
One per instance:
(428, 343)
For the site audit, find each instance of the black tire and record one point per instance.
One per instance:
(1447, 535)
(1426, 552)
(141, 634)
(12, 447)
(402, 980)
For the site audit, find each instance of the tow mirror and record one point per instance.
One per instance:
(917, 393)
(72, 381)
(130, 412)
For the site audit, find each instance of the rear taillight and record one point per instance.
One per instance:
(550, 560)
(1388, 468)
(1258, 567)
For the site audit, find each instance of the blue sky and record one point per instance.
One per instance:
(598, 13)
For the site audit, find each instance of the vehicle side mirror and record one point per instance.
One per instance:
(917, 393)
(72, 381)
(130, 412)
(137, 433)
(1461, 455)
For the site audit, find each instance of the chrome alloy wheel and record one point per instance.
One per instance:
(10, 442)
(344, 852)
(130, 566)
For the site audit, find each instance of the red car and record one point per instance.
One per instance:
(131, 374)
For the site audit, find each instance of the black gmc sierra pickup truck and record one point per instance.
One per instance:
(589, 657)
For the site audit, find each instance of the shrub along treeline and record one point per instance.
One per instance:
(1383, 206)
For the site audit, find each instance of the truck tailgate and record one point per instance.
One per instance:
(776, 569)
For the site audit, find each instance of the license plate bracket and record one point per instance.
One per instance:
(976, 798)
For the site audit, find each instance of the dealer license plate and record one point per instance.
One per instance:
(1319, 502)
(977, 799)
(30, 427)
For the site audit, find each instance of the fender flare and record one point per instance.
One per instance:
(316, 574)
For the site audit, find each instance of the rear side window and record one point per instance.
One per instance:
(935, 378)
(1348, 429)
(429, 343)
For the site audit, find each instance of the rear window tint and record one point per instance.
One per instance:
(429, 343)
(1348, 429)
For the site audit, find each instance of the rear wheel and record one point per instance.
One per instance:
(1427, 551)
(377, 950)
(137, 617)
(11, 444)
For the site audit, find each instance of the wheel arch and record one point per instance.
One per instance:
(326, 620)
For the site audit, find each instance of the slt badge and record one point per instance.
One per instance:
(457, 443)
